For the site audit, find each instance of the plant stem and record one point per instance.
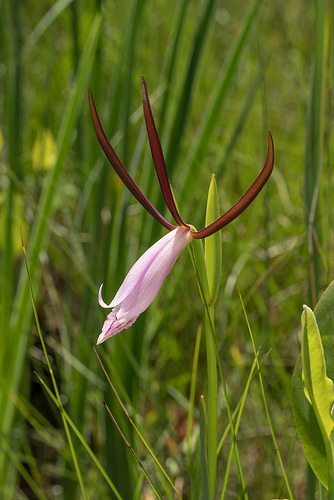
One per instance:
(212, 401)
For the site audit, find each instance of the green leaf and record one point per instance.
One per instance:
(319, 389)
(307, 425)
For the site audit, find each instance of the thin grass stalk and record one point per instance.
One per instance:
(134, 454)
(55, 386)
(82, 440)
(286, 480)
(237, 409)
(228, 408)
(44, 24)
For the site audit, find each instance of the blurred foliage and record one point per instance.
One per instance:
(97, 230)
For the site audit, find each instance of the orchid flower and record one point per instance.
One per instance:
(145, 278)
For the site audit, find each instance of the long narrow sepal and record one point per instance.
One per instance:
(121, 170)
(245, 200)
(158, 157)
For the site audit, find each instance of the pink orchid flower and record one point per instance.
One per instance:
(143, 282)
(145, 278)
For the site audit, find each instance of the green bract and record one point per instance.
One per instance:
(213, 252)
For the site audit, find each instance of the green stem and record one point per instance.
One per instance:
(212, 401)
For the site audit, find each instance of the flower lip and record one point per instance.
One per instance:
(143, 282)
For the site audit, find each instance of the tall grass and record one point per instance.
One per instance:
(219, 75)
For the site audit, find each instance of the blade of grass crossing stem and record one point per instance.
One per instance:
(143, 440)
(55, 386)
(314, 150)
(227, 428)
(265, 403)
(237, 424)
(21, 312)
(81, 439)
(199, 146)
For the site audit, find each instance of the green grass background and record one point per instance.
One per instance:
(219, 74)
